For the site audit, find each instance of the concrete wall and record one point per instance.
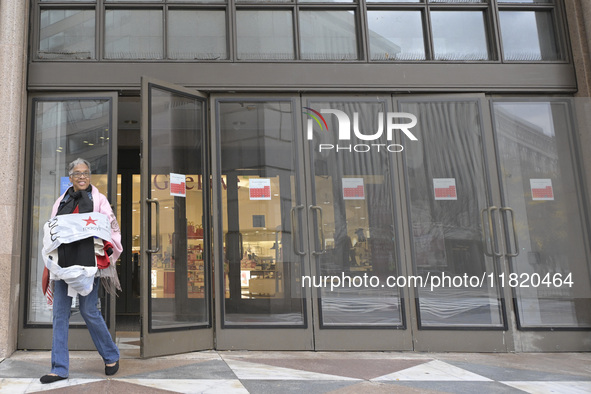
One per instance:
(13, 61)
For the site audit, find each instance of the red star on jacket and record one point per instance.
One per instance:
(90, 221)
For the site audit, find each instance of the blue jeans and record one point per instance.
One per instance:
(60, 358)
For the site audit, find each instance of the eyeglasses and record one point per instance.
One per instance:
(78, 174)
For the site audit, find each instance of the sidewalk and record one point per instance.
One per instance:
(231, 372)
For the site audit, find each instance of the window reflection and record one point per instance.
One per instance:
(328, 35)
(525, 1)
(457, 1)
(325, 1)
(528, 35)
(66, 34)
(459, 35)
(178, 270)
(447, 183)
(197, 35)
(354, 223)
(262, 274)
(133, 34)
(265, 35)
(61, 131)
(396, 35)
(535, 154)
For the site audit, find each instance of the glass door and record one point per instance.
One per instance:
(547, 242)
(452, 215)
(175, 272)
(354, 231)
(63, 128)
(258, 191)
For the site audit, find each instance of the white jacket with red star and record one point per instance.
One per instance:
(62, 229)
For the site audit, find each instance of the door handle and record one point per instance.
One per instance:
(295, 231)
(157, 204)
(241, 241)
(483, 231)
(321, 223)
(493, 236)
(515, 239)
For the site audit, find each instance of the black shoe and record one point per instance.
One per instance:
(51, 378)
(112, 370)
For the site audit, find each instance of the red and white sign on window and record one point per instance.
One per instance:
(178, 185)
(541, 189)
(259, 189)
(353, 189)
(445, 188)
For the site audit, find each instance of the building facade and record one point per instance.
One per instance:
(303, 175)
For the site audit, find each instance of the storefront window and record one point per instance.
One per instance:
(396, 30)
(326, 1)
(179, 286)
(259, 196)
(528, 35)
(265, 35)
(328, 35)
(395, 1)
(396, 35)
(456, 1)
(540, 187)
(133, 34)
(526, 1)
(67, 34)
(448, 191)
(354, 222)
(63, 131)
(185, 26)
(459, 35)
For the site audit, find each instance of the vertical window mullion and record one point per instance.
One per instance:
(561, 31)
(429, 47)
(496, 30)
(232, 34)
(100, 30)
(490, 28)
(296, 30)
(363, 30)
(165, 31)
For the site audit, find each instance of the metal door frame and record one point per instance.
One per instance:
(533, 339)
(39, 336)
(483, 339)
(352, 337)
(256, 337)
(176, 340)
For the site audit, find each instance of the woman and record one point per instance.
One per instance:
(81, 253)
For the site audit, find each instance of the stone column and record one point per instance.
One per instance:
(578, 14)
(586, 15)
(13, 65)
